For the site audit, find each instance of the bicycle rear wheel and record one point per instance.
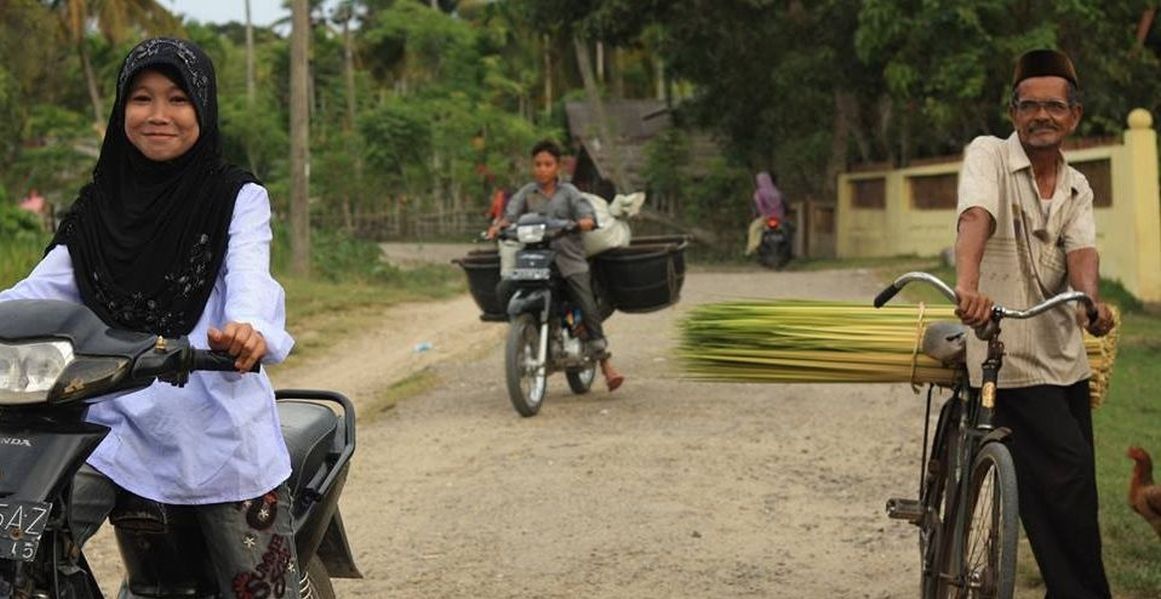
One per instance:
(988, 541)
(940, 477)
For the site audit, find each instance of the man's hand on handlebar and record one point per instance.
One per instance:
(494, 230)
(973, 307)
(1103, 323)
(240, 340)
(586, 224)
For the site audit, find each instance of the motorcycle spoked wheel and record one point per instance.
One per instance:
(580, 381)
(526, 379)
(316, 581)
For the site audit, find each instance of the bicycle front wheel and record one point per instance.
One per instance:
(988, 541)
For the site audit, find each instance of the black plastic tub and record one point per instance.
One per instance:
(642, 278)
(658, 240)
(483, 272)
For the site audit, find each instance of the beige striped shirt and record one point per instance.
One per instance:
(1024, 260)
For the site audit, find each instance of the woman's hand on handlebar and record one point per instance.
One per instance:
(973, 307)
(586, 224)
(240, 340)
(1103, 323)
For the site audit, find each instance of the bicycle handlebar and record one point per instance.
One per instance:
(998, 312)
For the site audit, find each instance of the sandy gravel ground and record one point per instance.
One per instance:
(666, 488)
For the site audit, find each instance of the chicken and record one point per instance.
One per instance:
(1144, 494)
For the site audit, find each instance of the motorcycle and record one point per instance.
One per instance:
(56, 358)
(777, 245)
(546, 332)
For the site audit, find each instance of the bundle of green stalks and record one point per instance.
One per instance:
(801, 341)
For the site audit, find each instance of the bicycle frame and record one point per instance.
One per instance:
(942, 540)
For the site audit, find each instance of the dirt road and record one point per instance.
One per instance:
(665, 488)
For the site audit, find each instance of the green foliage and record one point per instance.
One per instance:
(401, 132)
(721, 200)
(16, 223)
(22, 243)
(667, 164)
(424, 47)
(1128, 417)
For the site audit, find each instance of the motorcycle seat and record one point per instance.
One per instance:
(309, 429)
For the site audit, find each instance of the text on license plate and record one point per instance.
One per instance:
(21, 524)
(531, 274)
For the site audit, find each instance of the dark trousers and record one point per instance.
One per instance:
(580, 288)
(250, 543)
(1052, 446)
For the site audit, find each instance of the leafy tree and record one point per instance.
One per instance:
(115, 19)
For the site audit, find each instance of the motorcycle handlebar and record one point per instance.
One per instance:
(216, 361)
(555, 228)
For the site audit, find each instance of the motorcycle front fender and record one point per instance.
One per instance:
(535, 301)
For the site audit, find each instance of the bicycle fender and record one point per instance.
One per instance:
(998, 435)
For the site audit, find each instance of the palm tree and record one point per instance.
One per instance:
(115, 20)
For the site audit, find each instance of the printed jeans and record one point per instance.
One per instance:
(250, 543)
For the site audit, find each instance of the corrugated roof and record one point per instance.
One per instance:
(636, 122)
(630, 119)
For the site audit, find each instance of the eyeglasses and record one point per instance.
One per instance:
(1055, 108)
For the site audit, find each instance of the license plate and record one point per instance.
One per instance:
(21, 524)
(531, 274)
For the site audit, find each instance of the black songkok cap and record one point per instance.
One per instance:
(1044, 63)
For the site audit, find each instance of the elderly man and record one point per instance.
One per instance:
(1026, 233)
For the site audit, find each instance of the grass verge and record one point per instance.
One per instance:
(414, 384)
(320, 313)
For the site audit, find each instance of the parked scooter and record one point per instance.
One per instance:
(55, 358)
(777, 245)
(546, 333)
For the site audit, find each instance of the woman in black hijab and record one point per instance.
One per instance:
(169, 239)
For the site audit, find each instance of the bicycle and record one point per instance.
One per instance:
(967, 511)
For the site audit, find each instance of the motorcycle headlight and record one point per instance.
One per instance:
(29, 370)
(41, 371)
(530, 233)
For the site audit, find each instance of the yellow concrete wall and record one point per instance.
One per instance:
(1128, 232)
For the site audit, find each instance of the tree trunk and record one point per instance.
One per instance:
(618, 73)
(601, 62)
(99, 115)
(251, 85)
(659, 77)
(300, 139)
(349, 77)
(848, 106)
(1145, 24)
(547, 76)
(840, 133)
(608, 139)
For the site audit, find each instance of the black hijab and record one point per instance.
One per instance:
(147, 238)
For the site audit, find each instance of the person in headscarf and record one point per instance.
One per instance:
(170, 239)
(767, 204)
